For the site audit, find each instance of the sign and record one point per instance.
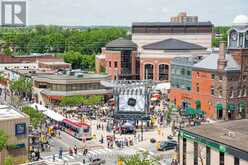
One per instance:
(20, 129)
(13, 13)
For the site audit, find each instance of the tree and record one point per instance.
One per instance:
(74, 58)
(35, 117)
(140, 159)
(22, 87)
(3, 140)
(8, 161)
(71, 101)
(92, 100)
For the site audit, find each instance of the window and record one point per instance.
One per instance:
(197, 87)
(184, 150)
(182, 71)
(220, 77)
(195, 153)
(116, 64)
(126, 62)
(212, 90)
(208, 155)
(163, 72)
(188, 73)
(109, 63)
(149, 71)
(197, 74)
(236, 161)
(231, 92)
(213, 76)
(220, 92)
(222, 158)
(188, 88)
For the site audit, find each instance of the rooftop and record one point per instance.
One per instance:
(9, 113)
(172, 24)
(219, 132)
(210, 63)
(173, 44)
(186, 61)
(121, 43)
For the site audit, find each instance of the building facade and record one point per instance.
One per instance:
(184, 18)
(219, 81)
(222, 143)
(50, 89)
(15, 126)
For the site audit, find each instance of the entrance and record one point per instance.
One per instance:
(220, 114)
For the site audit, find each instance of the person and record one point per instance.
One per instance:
(60, 152)
(75, 149)
(70, 151)
(53, 157)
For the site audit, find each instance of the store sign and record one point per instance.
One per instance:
(20, 129)
(209, 143)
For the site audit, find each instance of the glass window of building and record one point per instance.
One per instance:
(208, 155)
(149, 71)
(163, 72)
(182, 71)
(109, 63)
(197, 75)
(213, 76)
(231, 92)
(220, 92)
(188, 73)
(220, 77)
(116, 64)
(222, 158)
(197, 87)
(126, 62)
(212, 90)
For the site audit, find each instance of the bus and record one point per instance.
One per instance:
(77, 129)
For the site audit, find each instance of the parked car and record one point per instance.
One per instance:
(167, 145)
(97, 161)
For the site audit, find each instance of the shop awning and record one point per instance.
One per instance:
(219, 107)
(199, 112)
(198, 104)
(190, 111)
(230, 107)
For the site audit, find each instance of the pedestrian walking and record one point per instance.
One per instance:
(53, 157)
(75, 149)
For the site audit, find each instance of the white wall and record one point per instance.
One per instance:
(203, 39)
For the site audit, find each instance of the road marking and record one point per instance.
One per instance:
(64, 158)
(70, 156)
(80, 153)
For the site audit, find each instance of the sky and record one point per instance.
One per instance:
(124, 12)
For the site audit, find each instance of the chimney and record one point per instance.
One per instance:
(222, 62)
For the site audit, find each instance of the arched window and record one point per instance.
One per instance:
(233, 39)
(149, 71)
(163, 72)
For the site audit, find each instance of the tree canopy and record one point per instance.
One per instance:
(8, 161)
(81, 100)
(35, 117)
(3, 139)
(222, 30)
(22, 86)
(140, 159)
(56, 39)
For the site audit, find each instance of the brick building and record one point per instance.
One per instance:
(182, 17)
(220, 80)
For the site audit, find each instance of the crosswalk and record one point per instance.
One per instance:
(101, 152)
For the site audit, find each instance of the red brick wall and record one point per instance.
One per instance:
(112, 57)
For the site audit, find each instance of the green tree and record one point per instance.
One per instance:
(22, 87)
(3, 140)
(71, 101)
(222, 30)
(92, 100)
(74, 58)
(7, 51)
(8, 161)
(140, 159)
(35, 116)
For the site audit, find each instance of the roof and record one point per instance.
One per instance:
(219, 132)
(121, 43)
(210, 63)
(9, 113)
(172, 24)
(173, 44)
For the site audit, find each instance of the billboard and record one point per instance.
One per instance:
(20, 129)
(132, 103)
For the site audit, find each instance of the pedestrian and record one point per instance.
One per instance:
(53, 157)
(75, 149)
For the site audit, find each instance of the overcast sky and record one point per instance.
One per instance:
(124, 12)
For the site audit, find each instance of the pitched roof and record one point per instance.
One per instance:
(172, 24)
(173, 44)
(121, 43)
(210, 63)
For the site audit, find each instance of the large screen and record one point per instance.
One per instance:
(131, 103)
(20, 129)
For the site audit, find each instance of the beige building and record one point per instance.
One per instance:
(222, 143)
(182, 17)
(15, 125)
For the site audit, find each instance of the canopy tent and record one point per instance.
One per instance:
(219, 107)
(54, 115)
(230, 107)
(242, 105)
(163, 86)
(199, 112)
(39, 107)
